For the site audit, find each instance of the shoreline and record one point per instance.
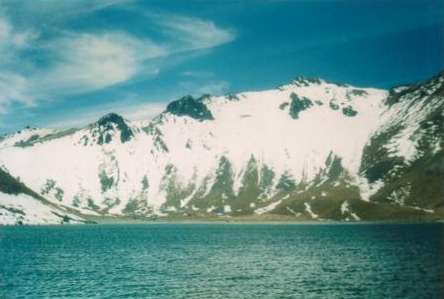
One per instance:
(231, 221)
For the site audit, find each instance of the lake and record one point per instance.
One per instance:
(223, 261)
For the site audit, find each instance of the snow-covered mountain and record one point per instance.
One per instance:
(309, 150)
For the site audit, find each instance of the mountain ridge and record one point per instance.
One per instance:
(309, 149)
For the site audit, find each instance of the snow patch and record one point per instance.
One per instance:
(293, 212)
(366, 189)
(170, 209)
(345, 209)
(309, 211)
(400, 195)
(422, 209)
(355, 216)
(268, 208)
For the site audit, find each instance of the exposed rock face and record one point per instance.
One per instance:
(188, 106)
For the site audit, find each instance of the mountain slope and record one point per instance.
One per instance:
(406, 154)
(309, 150)
(21, 205)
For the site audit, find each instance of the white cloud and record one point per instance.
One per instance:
(5, 30)
(52, 13)
(196, 34)
(14, 88)
(85, 62)
(80, 62)
(12, 40)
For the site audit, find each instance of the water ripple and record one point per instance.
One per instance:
(222, 261)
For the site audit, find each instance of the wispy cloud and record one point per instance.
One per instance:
(79, 63)
(15, 88)
(195, 33)
(73, 62)
(198, 74)
(11, 38)
(85, 62)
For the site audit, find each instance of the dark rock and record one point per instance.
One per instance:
(349, 111)
(106, 124)
(298, 104)
(188, 106)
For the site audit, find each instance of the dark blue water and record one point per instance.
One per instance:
(223, 261)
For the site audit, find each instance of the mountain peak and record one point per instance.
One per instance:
(303, 81)
(189, 106)
(417, 92)
(111, 118)
(110, 125)
(306, 81)
(29, 128)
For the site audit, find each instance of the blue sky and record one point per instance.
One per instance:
(65, 64)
